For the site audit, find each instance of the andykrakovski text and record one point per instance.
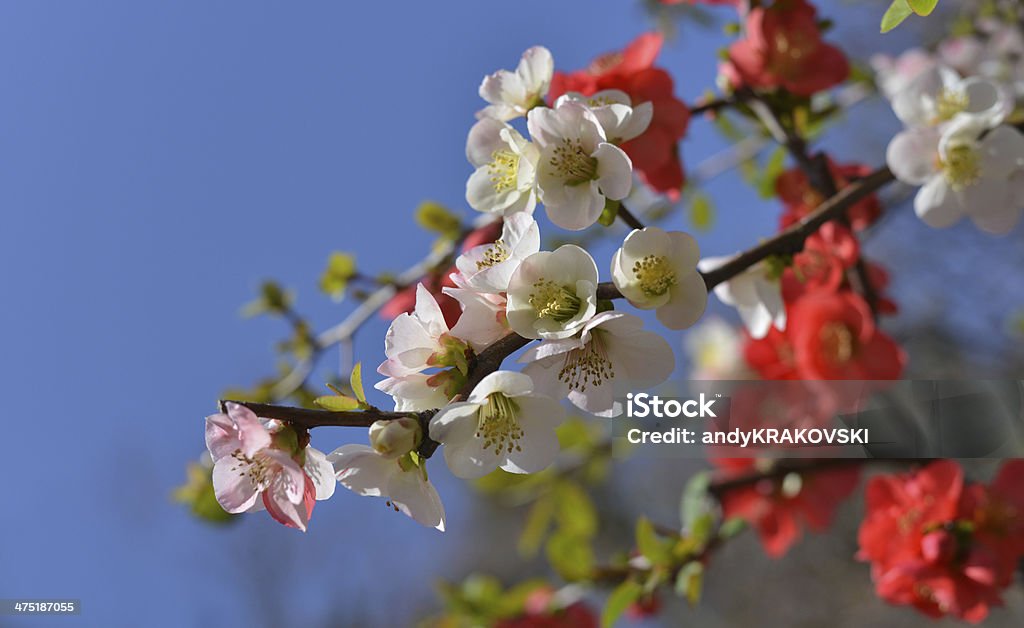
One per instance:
(645, 406)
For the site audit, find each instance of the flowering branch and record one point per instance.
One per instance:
(490, 359)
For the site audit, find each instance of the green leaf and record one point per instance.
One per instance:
(701, 528)
(690, 581)
(923, 7)
(576, 513)
(695, 502)
(337, 403)
(356, 381)
(731, 527)
(439, 219)
(702, 212)
(571, 556)
(537, 523)
(609, 213)
(898, 11)
(620, 599)
(649, 544)
(273, 299)
(341, 267)
(775, 165)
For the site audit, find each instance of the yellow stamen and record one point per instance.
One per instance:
(550, 300)
(654, 274)
(499, 424)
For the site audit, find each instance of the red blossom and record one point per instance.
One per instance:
(834, 336)
(783, 48)
(772, 356)
(940, 545)
(800, 199)
(655, 153)
(822, 264)
(779, 508)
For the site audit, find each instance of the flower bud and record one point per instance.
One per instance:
(395, 438)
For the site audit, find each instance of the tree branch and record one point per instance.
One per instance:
(791, 240)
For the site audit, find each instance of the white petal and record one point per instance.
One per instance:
(937, 205)
(321, 472)
(614, 171)
(455, 423)
(538, 447)
(417, 498)
(572, 207)
(509, 383)
(688, 300)
(469, 460)
(484, 138)
(233, 486)
(362, 470)
(911, 155)
(1002, 153)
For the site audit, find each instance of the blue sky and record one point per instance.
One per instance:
(156, 161)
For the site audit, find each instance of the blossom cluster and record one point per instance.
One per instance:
(957, 145)
(942, 544)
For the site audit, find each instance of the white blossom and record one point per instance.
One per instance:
(503, 424)
(612, 354)
(614, 110)
(506, 165)
(578, 168)
(403, 482)
(963, 171)
(755, 293)
(938, 96)
(553, 294)
(655, 269)
(512, 94)
(489, 267)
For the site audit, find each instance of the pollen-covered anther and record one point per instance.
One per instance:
(572, 163)
(588, 365)
(654, 274)
(253, 468)
(961, 167)
(495, 254)
(554, 301)
(503, 169)
(498, 424)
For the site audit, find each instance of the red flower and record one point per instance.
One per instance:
(772, 356)
(655, 153)
(834, 336)
(800, 199)
(822, 264)
(404, 300)
(940, 546)
(777, 508)
(783, 48)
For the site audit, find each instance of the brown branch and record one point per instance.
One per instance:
(792, 239)
(819, 176)
(627, 217)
